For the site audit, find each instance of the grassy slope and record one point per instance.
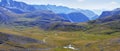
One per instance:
(84, 41)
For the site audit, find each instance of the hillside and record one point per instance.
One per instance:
(83, 36)
(57, 40)
(75, 17)
(25, 27)
(110, 21)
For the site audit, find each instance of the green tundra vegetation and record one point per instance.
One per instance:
(93, 37)
(26, 27)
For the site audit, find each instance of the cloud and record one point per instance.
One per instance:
(114, 3)
(80, 0)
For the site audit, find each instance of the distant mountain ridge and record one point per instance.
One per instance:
(21, 7)
(16, 5)
(109, 13)
(6, 16)
(109, 16)
(75, 17)
(43, 19)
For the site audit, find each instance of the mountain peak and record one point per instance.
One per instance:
(6, 2)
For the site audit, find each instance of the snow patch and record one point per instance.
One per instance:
(70, 47)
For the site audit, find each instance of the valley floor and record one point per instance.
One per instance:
(61, 40)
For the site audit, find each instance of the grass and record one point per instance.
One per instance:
(83, 41)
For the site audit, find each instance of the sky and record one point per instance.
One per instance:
(82, 4)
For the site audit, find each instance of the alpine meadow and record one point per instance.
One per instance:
(60, 25)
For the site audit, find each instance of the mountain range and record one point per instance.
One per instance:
(20, 13)
(25, 27)
(108, 16)
(21, 7)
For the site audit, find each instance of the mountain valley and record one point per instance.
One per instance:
(25, 27)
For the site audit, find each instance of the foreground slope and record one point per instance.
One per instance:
(82, 37)
(57, 40)
(47, 31)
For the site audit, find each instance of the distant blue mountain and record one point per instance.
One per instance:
(21, 7)
(54, 8)
(110, 13)
(66, 10)
(98, 11)
(75, 17)
(90, 14)
(16, 5)
(6, 16)
(109, 16)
